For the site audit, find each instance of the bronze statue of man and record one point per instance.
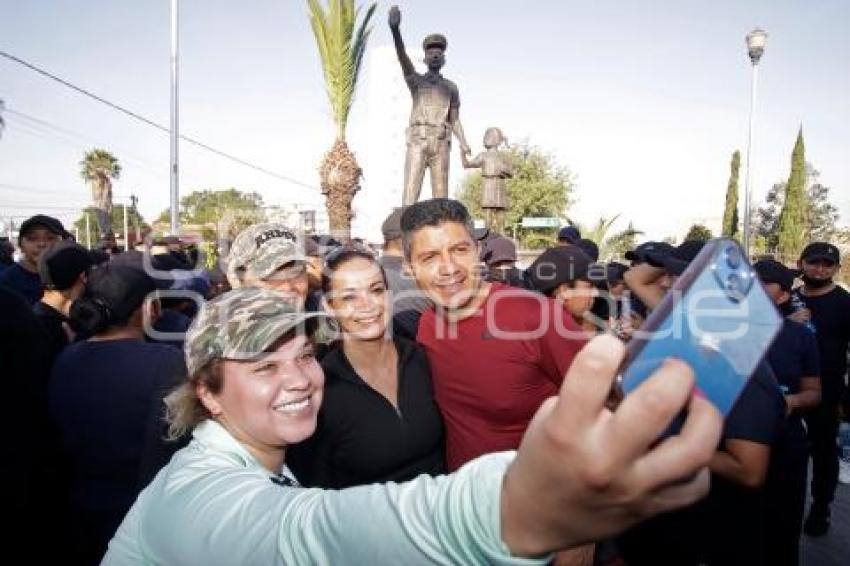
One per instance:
(435, 115)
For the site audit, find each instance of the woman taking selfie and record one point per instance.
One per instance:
(379, 421)
(255, 388)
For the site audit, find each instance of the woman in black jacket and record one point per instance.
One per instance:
(379, 421)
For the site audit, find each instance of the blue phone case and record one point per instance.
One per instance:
(717, 318)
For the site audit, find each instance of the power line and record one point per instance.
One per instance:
(43, 126)
(152, 123)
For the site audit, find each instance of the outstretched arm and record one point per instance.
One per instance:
(395, 23)
(643, 281)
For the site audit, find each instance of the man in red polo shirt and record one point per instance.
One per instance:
(496, 352)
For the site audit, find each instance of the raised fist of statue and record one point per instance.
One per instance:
(395, 17)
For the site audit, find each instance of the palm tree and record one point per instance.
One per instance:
(99, 168)
(341, 50)
(613, 246)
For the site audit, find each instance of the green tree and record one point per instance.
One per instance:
(822, 215)
(99, 168)
(539, 187)
(133, 219)
(793, 217)
(341, 50)
(730, 212)
(699, 232)
(616, 245)
(766, 219)
(229, 209)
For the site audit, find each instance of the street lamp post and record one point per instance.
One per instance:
(755, 49)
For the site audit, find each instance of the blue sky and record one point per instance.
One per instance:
(643, 101)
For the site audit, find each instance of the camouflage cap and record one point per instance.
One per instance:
(262, 249)
(240, 325)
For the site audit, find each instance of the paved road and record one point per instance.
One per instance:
(832, 549)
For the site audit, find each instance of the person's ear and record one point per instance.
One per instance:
(153, 310)
(208, 399)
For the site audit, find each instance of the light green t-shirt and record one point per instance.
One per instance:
(215, 504)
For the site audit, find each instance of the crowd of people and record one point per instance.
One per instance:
(312, 401)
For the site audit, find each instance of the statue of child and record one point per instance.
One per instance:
(495, 168)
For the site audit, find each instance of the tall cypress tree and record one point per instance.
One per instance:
(792, 219)
(730, 213)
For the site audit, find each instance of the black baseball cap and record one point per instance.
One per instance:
(821, 251)
(119, 289)
(569, 234)
(771, 271)
(61, 265)
(677, 260)
(558, 265)
(640, 252)
(53, 225)
(497, 250)
(589, 247)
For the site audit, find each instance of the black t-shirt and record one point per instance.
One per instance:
(831, 317)
(361, 438)
(725, 527)
(759, 412)
(52, 320)
(793, 355)
(24, 369)
(106, 398)
(23, 281)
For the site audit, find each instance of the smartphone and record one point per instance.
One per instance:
(717, 317)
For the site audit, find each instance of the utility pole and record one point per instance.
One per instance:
(175, 123)
(126, 229)
(134, 200)
(88, 231)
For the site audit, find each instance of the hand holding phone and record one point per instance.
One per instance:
(716, 317)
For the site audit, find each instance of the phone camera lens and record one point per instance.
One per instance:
(733, 257)
(734, 285)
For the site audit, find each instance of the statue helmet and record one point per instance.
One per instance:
(435, 40)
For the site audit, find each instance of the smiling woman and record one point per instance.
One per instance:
(379, 421)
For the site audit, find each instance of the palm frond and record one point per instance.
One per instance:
(99, 163)
(340, 52)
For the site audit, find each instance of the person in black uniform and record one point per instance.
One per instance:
(829, 305)
(726, 528)
(379, 421)
(62, 269)
(106, 398)
(794, 359)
